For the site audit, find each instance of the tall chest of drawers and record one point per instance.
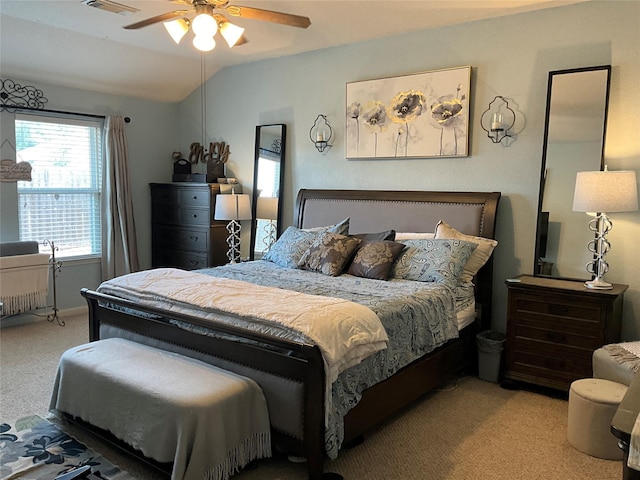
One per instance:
(183, 231)
(554, 326)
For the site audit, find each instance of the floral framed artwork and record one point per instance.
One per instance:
(421, 115)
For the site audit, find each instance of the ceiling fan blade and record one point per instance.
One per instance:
(160, 18)
(268, 15)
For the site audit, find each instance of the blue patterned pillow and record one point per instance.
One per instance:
(289, 248)
(437, 260)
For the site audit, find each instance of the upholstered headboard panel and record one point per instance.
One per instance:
(473, 213)
(404, 211)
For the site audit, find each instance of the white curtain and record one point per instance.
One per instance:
(119, 248)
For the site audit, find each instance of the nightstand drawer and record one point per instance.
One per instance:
(555, 309)
(589, 339)
(551, 354)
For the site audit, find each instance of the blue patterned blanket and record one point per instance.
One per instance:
(417, 316)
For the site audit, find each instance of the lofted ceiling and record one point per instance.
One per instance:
(67, 43)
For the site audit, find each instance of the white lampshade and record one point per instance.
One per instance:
(267, 208)
(232, 34)
(232, 207)
(606, 192)
(177, 28)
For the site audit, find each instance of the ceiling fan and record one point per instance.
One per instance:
(208, 20)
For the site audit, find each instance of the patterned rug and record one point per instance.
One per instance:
(35, 449)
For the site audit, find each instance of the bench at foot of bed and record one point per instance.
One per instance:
(205, 421)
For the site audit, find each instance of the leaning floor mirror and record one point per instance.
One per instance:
(574, 136)
(268, 181)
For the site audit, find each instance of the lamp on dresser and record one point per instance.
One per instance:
(233, 207)
(600, 192)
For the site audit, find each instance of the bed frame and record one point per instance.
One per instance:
(295, 371)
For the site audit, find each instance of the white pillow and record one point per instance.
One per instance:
(479, 256)
(414, 236)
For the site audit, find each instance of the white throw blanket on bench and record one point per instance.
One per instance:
(346, 332)
(207, 421)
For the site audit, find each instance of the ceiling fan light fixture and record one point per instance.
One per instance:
(177, 28)
(204, 25)
(231, 33)
(204, 43)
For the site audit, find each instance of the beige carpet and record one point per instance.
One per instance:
(470, 429)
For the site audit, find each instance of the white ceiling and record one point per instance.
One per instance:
(65, 42)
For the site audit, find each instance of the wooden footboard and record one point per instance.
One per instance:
(297, 363)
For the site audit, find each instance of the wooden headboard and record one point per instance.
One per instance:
(473, 213)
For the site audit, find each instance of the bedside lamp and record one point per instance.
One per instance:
(267, 209)
(233, 207)
(600, 192)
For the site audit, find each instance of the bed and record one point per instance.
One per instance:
(306, 418)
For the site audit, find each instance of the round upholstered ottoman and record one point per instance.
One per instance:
(592, 404)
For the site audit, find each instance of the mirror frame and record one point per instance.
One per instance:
(541, 229)
(254, 203)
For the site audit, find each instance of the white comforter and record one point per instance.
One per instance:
(345, 332)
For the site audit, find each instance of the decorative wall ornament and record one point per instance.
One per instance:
(10, 171)
(14, 96)
(498, 119)
(411, 116)
(321, 133)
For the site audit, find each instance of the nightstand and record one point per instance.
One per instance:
(554, 326)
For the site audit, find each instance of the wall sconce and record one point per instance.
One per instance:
(321, 133)
(502, 119)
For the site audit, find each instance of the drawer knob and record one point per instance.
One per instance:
(558, 309)
(557, 337)
(194, 239)
(195, 197)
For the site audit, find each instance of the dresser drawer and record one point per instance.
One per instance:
(165, 195)
(165, 257)
(193, 197)
(189, 239)
(194, 216)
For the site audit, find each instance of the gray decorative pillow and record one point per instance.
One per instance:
(437, 260)
(374, 259)
(290, 247)
(329, 254)
(388, 235)
(341, 227)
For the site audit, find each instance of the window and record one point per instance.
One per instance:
(62, 203)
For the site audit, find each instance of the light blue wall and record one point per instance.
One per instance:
(510, 56)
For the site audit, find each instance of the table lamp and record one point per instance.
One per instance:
(600, 192)
(233, 207)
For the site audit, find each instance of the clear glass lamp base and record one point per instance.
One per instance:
(598, 284)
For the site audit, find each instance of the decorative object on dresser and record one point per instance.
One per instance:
(233, 207)
(183, 232)
(553, 328)
(499, 120)
(603, 191)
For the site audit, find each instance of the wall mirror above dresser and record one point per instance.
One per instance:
(268, 182)
(574, 134)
